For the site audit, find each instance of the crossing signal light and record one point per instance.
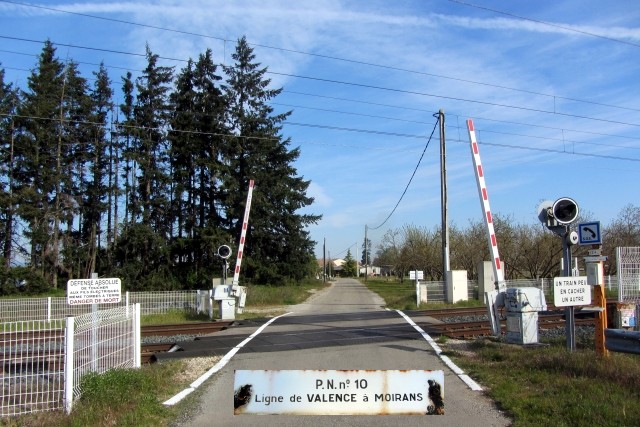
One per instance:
(224, 251)
(565, 210)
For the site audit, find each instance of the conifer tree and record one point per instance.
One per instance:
(97, 189)
(71, 183)
(278, 247)
(197, 130)
(151, 113)
(9, 99)
(38, 132)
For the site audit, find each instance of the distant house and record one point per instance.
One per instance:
(335, 266)
(371, 270)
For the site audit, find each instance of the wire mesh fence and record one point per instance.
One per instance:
(101, 340)
(628, 264)
(628, 274)
(44, 361)
(23, 309)
(32, 377)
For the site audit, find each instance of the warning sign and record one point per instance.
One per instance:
(569, 291)
(93, 291)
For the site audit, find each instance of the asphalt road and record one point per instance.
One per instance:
(344, 327)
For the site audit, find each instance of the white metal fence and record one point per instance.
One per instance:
(57, 308)
(435, 289)
(100, 341)
(44, 361)
(628, 274)
(436, 292)
(32, 355)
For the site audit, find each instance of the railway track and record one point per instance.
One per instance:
(200, 328)
(147, 351)
(483, 328)
(554, 318)
(15, 359)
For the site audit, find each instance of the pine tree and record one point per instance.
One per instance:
(125, 142)
(278, 247)
(9, 100)
(38, 131)
(141, 253)
(197, 130)
(350, 267)
(73, 161)
(97, 190)
(151, 114)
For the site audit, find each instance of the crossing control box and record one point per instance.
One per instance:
(523, 305)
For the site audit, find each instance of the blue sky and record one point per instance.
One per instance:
(552, 87)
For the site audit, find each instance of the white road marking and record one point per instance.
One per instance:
(459, 372)
(221, 364)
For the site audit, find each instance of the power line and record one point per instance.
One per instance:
(97, 49)
(458, 127)
(352, 61)
(410, 179)
(550, 24)
(369, 86)
(343, 129)
(453, 98)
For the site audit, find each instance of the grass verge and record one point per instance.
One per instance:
(547, 385)
(133, 397)
(540, 385)
(402, 295)
(264, 296)
(173, 317)
(122, 397)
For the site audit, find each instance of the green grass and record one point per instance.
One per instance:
(548, 385)
(541, 385)
(264, 296)
(536, 385)
(172, 317)
(402, 296)
(119, 397)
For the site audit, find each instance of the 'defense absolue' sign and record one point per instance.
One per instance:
(93, 291)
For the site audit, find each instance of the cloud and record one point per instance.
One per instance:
(320, 196)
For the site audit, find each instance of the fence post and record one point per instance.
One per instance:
(210, 304)
(68, 364)
(136, 336)
(48, 309)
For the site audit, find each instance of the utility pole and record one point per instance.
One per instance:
(357, 262)
(443, 202)
(366, 260)
(324, 261)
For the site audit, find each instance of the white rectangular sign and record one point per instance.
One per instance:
(326, 392)
(569, 291)
(93, 291)
(412, 275)
(595, 258)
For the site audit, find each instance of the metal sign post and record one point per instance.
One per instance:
(569, 311)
